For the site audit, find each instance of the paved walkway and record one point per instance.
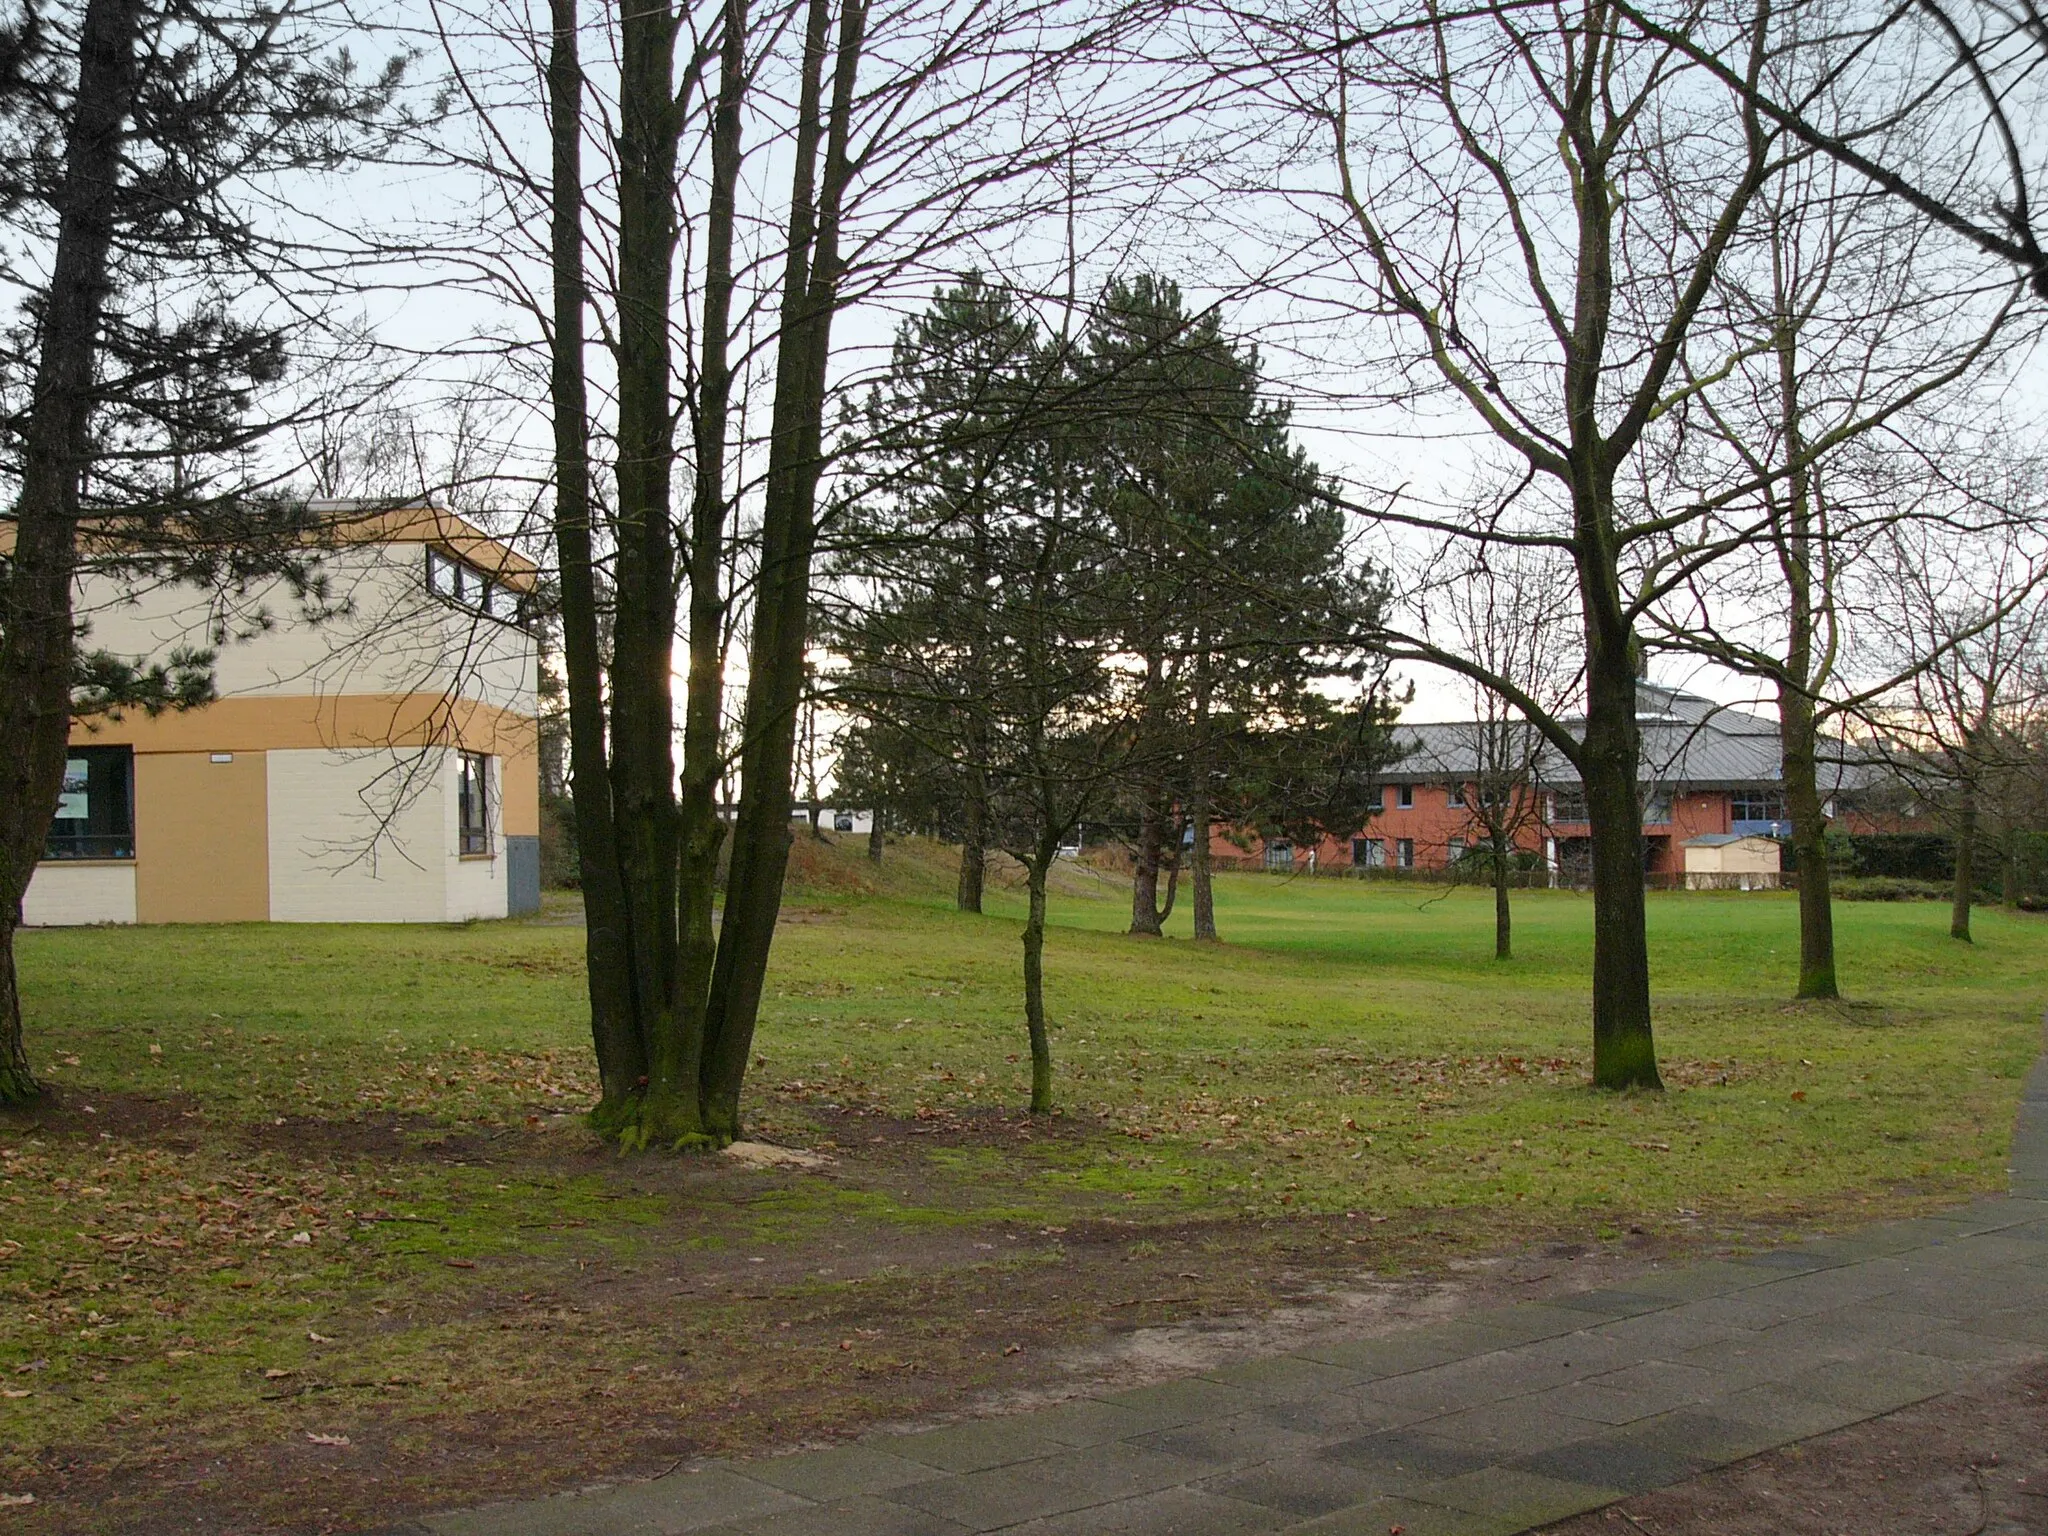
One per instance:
(1481, 1427)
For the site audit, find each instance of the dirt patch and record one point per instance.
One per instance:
(93, 1114)
(1974, 1463)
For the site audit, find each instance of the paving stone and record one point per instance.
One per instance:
(1414, 1452)
(1534, 1320)
(1554, 1362)
(2027, 1323)
(1612, 1303)
(1466, 1383)
(1396, 1354)
(1656, 1334)
(1087, 1421)
(1121, 1470)
(1380, 1516)
(1635, 1392)
(1699, 1434)
(1508, 1429)
(1339, 1415)
(1305, 1486)
(858, 1515)
(1880, 1382)
(683, 1501)
(999, 1496)
(1716, 1277)
(1242, 1438)
(970, 1447)
(1181, 1402)
(1169, 1512)
(1516, 1495)
(839, 1472)
(1977, 1348)
(1789, 1415)
(1284, 1378)
(1610, 1461)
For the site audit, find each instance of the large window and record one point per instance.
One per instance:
(1280, 855)
(96, 807)
(462, 583)
(473, 802)
(1368, 853)
(1407, 797)
(1404, 852)
(1757, 805)
(1656, 806)
(1568, 805)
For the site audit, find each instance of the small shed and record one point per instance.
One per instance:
(1731, 861)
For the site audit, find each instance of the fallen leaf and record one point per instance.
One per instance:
(327, 1439)
(846, 1343)
(1799, 1097)
(1013, 1349)
(460, 1263)
(302, 1237)
(16, 1500)
(318, 1338)
(274, 1374)
(16, 1392)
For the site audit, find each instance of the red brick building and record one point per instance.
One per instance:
(1707, 769)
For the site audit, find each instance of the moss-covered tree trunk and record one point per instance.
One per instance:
(1201, 867)
(36, 621)
(1035, 871)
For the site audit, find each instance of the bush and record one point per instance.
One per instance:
(1905, 855)
(1887, 888)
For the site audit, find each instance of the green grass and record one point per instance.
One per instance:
(1351, 1048)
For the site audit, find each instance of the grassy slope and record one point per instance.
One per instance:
(1350, 1048)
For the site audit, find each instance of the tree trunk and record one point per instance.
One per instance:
(1145, 869)
(701, 829)
(973, 848)
(37, 631)
(1034, 979)
(1172, 890)
(1966, 864)
(1798, 750)
(875, 834)
(1200, 868)
(1624, 1050)
(776, 655)
(1503, 934)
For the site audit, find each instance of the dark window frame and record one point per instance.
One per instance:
(1405, 799)
(1404, 853)
(473, 804)
(107, 830)
(475, 590)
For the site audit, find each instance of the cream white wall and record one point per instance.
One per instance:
(386, 634)
(360, 837)
(62, 894)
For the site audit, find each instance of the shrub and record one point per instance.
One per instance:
(1887, 888)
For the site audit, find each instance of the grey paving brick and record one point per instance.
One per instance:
(1339, 1415)
(1422, 1455)
(1636, 1392)
(999, 1496)
(1611, 1461)
(1516, 1495)
(1305, 1486)
(839, 1472)
(1792, 1259)
(2028, 1323)
(1880, 1382)
(1507, 1429)
(970, 1447)
(1187, 1401)
(1395, 1354)
(1656, 1334)
(1977, 1348)
(1465, 1383)
(1611, 1303)
(1788, 1415)
(1087, 1421)
(683, 1501)
(1169, 1512)
(1534, 1320)
(1121, 1470)
(1241, 1438)
(1284, 1378)
(1410, 1518)
(1699, 1434)
(1380, 1516)
(1716, 1277)
(858, 1515)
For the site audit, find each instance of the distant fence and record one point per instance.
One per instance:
(1519, 880)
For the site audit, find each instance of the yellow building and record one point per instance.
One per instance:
(377, 761)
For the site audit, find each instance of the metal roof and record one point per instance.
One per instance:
(1687, 741)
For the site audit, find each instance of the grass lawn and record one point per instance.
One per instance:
(329, 1181)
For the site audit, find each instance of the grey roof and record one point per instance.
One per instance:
(1687, 740)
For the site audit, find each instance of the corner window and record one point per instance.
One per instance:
(461, 583)
(473, 802)
(96, 806)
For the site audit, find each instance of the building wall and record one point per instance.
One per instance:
(63, 893)
(202, 852)
(475, 883)
(357, 837)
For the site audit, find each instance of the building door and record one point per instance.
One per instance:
(202, 837)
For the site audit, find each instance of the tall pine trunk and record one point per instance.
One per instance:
(1966, 863)
(1145, 868)
(36, 619)
(875, 834)
(1200, 865)
(615, 1030)
(973, 843)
